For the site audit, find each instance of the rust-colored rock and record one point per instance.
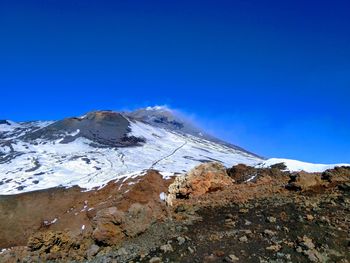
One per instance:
(205, 178)
(303, 181)
(107, 226)
(241, 172)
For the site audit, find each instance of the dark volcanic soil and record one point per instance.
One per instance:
(268, 230)
(279, 217)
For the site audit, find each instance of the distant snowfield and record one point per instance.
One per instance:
(42, 164)
(296, 166)
(45, 164)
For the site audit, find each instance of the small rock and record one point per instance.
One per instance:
(274, 248)
(229, 222)
(232, 258)
(181, 240)
(269, 233)
(306, 242)
(191, 250)
(243, 239)
(166, 248)
(247, 223)
(122, 252)
(299, 249)
(219, 253)
(309, 217)
(92, 251)
(271, 219)
(155, 260)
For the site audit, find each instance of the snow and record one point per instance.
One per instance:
(44, 164)
(251, 178)
(47, 164)
(9, 128)
(82, 227)
(295, 166)
(157, 108)
(162, 196)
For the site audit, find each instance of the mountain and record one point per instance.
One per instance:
(91, 150)
(149, 186)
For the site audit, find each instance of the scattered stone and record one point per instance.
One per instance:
(243, 239)
(243, 210)
(229, 222)
(306, 243)
(269, 233)
(219, 253)
(155, 260)
(166, 248)
(274, 248)
(191, 250)
(309, 217)
(247, 223)
(271, 219)
(181, 240)
(92, 251)
(233, 257)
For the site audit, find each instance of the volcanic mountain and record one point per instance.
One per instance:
(91, 150)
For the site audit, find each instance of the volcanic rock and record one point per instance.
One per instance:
(205, 178)
(107, 226)
(302, 181)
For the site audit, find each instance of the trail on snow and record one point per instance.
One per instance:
(169, 155)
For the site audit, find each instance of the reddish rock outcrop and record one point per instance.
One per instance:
(107, 224)
(205, 178)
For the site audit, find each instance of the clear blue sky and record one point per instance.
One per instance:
(270, 76)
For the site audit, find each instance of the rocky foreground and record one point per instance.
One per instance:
(211, 214)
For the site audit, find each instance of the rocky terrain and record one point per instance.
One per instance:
(210, 214)
(149, 186)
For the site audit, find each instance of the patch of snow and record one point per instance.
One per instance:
(75, 133)
(251, 178)
(162, 196)
(157, 107)
(295, 166)
(166, 175)
(82, 227)
(9, 127)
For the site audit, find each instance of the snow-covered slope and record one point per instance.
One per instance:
(102, 146)
(96, 148)
(295, 166)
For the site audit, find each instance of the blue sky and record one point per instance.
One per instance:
(270, 76)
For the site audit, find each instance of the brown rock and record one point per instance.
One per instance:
(241, 172)
(137, 220)
(205, 178)
(54, 245)
(305, 181)
(107, 226)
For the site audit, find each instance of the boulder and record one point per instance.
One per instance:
(241, 172)
(137, 220)
(107, 226)
(205, 178)
(302, 181)
(111, 225)
(50, 241)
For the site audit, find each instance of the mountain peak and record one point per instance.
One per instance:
(158, 108)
